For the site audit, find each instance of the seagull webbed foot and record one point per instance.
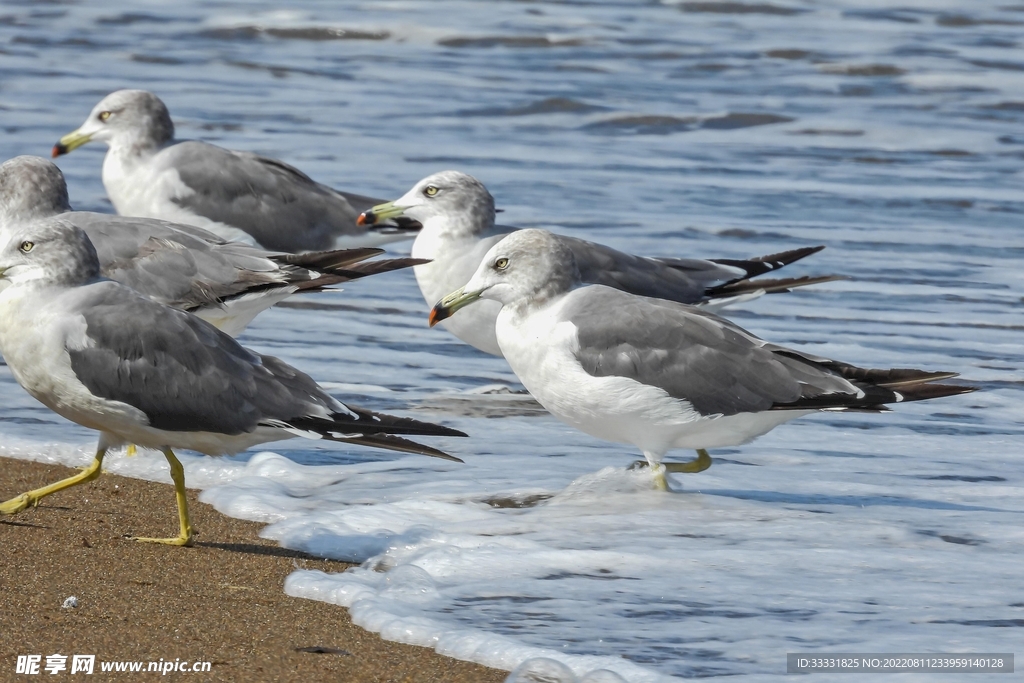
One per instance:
(660, 469)
(31, 498)
(16, 504)
(184, 540)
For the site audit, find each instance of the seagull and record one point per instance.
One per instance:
(654, 373)
(139, 372)
(225, 283)
(238, 195)
(457, 213)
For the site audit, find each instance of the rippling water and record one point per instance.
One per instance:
(730, 129)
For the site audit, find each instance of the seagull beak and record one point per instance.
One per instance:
(378, 213)
(446, 307)
(70, 142)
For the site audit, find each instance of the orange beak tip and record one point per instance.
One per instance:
(56, 152)
(434, 318)
(360, 220)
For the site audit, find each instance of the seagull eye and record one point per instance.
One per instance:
(430, 190)
(104, 115)
(501, 264)
(26, 247)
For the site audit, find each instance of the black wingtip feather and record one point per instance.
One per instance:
(764, 264)
(367, 422)
(326, 261)
(394, 443)
(878, 387)
(391, 424)
(896, 379)
(337, 276)
(923, 392)
(771, 286)
(379, 430)
(385, 266)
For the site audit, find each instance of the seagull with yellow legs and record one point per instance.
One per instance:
(227, 284)
(140, 372)
(658, 374)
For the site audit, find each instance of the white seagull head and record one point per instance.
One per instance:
(528, 266)
(131, 119)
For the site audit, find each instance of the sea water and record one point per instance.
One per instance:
(892, 135)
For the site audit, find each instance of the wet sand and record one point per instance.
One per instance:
(220, 601)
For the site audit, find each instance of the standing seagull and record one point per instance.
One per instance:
(654, 373)
(238, 195)
(139, 372)
(225, 283)
(457, 213)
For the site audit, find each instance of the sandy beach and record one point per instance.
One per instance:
(220, 602)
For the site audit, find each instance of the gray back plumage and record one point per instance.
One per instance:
(279, 205)
(696, 356)
(183, 373)
(601, 265)
(177, 265)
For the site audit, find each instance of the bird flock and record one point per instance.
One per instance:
(125, 323)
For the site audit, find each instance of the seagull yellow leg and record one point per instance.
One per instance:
(702, 462)
(31, 498)
(131, 451)
(660, 480)
(660, 469)
(184, 536)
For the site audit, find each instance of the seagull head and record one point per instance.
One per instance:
(126, 118)
(449, 202)
(31, 188)
(527, 267)
(48, 252)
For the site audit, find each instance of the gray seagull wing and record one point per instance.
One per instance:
(601, 265)
(183, 373)
(688, 281)
(692, 355)
(179, 265)
(279, 205)
(186, 375)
